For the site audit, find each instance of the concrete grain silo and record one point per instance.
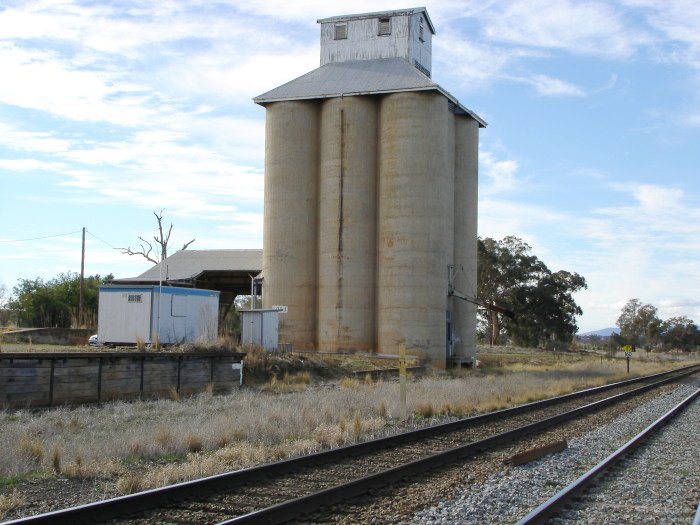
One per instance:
(371, 196)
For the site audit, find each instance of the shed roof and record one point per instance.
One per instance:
(190, 266)
(360, 77)
(380, 14)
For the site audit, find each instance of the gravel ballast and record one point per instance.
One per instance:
(510, 494)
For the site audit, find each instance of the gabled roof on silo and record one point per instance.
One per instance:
(380, 14)
(360, 77)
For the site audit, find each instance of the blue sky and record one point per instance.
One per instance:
(110, 110)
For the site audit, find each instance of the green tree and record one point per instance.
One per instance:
(680, 333)
(639, 324)
(511, 276)
(546, 312)
(54, 303)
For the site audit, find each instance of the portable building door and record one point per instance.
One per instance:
(124, 314)
(260, 327)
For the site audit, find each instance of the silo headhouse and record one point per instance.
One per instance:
(370, 218)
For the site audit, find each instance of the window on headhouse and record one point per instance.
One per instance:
(420, 29)
(341, 31)
(384, 26)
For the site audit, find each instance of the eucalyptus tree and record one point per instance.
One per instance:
(512, 277)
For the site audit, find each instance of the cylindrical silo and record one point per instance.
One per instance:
(413, 237)
(347, 224)
(465, 231)
(290, 218)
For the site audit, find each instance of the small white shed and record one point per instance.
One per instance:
(165, 313)
(260, 327)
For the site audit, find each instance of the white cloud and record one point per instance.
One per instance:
(548, 86)
(501, 174)
(30, 165)
(587, 27)
(45, 82)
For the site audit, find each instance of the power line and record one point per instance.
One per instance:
(44, 237)
(101, 240)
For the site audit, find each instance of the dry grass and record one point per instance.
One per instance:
(151, 443)
(10, 502)
(140, 343)
(193, 443)
(30, 448)
(288, 383)
(56, 459)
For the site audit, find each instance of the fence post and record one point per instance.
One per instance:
(99, 379)
(53, 366)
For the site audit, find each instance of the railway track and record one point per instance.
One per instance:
(592, 490)
(281, 491)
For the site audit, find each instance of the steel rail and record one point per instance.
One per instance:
(557, 502)
(294, 508)
(160, 497)
(696, 521)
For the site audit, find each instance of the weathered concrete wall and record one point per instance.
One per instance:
(347, 224)
(41, 379)
(415, 235)
(368, 200)
(465, 231)
(290, 230)
(49, 336)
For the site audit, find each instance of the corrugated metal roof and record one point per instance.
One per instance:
(360, 77)
(188, 264)
(380, 14)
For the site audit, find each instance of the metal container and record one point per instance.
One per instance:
(168, 314)
(260, 328)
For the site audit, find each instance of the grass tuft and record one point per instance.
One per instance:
(288, 383)
(130, 483)
(350, 382)
(425, 410)
(193, 443)
(31, 448)
(11, 502)
(173, 394)
(56, 459)
(163, 436)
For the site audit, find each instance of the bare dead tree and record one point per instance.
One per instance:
(161, 242)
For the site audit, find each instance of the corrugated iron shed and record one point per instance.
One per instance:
(227, 271)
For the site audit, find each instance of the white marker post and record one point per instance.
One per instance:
(402, 381)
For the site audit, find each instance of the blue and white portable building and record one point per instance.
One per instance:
(167, 314)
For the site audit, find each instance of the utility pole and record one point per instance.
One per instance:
(82, 283)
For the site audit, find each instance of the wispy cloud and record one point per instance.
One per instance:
(548, 86)
(595, 28)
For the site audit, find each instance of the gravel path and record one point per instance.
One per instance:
(509, 494)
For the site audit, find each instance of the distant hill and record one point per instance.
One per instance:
(603, 332)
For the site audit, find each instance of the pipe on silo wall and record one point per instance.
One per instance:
(465, 231)
(414, 236)
(290, 218)
(347, 224)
